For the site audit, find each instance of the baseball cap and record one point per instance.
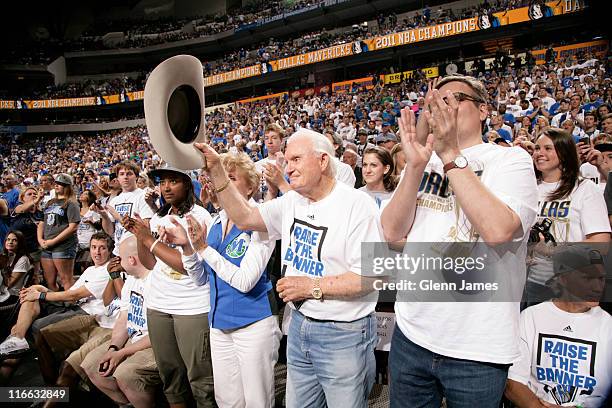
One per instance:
(604, 147)
(386, 137)
(574, 258)
(386, 124)
(362, 132)
(63, 179)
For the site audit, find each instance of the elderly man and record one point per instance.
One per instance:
(460, 351)
(332, 330)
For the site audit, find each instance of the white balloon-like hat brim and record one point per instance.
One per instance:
(182, 73)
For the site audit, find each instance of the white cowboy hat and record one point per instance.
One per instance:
(174, 110)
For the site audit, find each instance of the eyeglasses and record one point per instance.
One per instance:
(460, 97)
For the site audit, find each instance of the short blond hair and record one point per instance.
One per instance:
(242, 162)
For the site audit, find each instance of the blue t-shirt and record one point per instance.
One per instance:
(11, 197)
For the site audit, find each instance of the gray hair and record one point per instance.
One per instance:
(320, 145)
(474, 84)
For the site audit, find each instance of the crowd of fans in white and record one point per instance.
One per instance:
(547, 132)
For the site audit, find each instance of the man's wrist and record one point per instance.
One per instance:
(449, 156)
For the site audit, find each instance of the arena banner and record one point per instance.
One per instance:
(235, 75)
(431, 72)
(482, 22)
(599, 48)
(346, 86)
(337, 51)
(261, 98)
(7, 104)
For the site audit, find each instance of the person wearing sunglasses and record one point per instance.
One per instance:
(455, 188)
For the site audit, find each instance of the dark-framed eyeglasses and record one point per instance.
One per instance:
(460, 97)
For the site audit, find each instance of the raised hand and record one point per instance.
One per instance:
(422, 127)
(417, 155)
(442, 119)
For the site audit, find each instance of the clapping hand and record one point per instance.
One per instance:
(417, 155)
(442, 119)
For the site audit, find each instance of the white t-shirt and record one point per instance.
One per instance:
(85, 230)
(548, 101)
(322, 239)
(588, 171)
(345, 173)
(169, 291)
(22, 266)
(514, 110)
(49, 195)
(129, 203)
(378, 196)
(477, 331)
(95, 279)
(565, 357)
(582, 213)
(133, 302)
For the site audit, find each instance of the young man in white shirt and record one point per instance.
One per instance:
(273, 139)
(37, 300)
(566, 343)
(124, 367)
(332, 331)
(131, 201)
(460, 351)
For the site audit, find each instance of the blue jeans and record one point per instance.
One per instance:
(420, 378)
(330, 363)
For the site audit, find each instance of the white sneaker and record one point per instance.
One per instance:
(14, 345)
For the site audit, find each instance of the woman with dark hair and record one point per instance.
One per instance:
(25, 218)
(57, 234)
(14, 264)
(244, 334)
(571, 209)
(91, 222)
(378, 174)
(177, 308)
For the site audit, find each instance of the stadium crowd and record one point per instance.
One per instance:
(546, 159)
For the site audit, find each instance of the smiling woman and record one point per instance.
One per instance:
(574, 207)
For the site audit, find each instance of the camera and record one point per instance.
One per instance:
(543, 227)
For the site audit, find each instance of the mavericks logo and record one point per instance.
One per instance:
(239, 245)
(487, 21)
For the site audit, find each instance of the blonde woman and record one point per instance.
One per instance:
(244, 334)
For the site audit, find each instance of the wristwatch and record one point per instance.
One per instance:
(317, 293)
(460, 162)
(115, 275)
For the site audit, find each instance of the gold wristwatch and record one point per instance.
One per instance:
(317, 293)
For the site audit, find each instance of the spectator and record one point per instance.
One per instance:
(572, 320)
(15, 263)
(57, 235)
(574, 207)
(310, 166)
(378, 174)
(177, 308)
(244, 334)
(90, 224)
(496, 211)
(25, 219)
(124, 367)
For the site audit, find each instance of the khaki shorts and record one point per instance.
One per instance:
(138, 371)
(75, 337)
